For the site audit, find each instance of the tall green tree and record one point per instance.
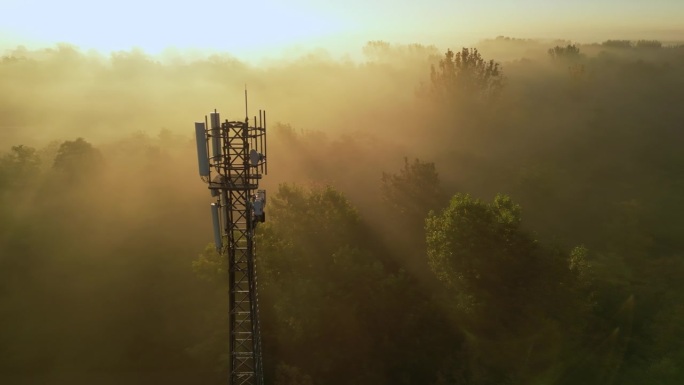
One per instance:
(407, 196)
(413, 191)
(77, 159)
(520, 303)
(312, 255)
(466, 75)
(570, 52)
(19, 167)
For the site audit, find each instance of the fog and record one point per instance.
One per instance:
(102, 211)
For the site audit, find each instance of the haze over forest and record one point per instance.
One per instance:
(462, 210)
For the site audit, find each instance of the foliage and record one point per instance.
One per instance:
(300, 275)
(210, 266)
(97, 236)
(472, 237)
(649, 44)
(494, 271)
(413, 191)
(617, 43)
(571, 52)
(77, 159)
(466, 75)
(19, 167)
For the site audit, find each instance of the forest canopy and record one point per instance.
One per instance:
(504, 213)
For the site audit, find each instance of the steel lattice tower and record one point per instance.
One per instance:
(232, 172)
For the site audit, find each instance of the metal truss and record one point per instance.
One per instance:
(237, 164)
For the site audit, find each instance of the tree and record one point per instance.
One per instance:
(571, 56)
(479, 250)
(77, 158)
(465, 75)
(408, 196)
(19, 175)
(570, 52)
(413, 191)
(652, 44)
(19, 167)
(617, 44)
(507, 292)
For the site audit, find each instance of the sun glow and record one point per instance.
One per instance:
(225, 25)
(252, 29)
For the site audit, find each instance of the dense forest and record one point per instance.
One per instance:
(509, 213)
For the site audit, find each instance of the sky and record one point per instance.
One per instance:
(259, 27)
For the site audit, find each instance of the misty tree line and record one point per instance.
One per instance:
(527, 231)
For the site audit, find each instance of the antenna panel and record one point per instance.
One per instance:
(218, 241)
(202, 151)
(215, 120)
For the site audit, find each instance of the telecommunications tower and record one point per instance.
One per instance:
(232, 160)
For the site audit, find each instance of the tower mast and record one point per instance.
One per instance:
(232, 160)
